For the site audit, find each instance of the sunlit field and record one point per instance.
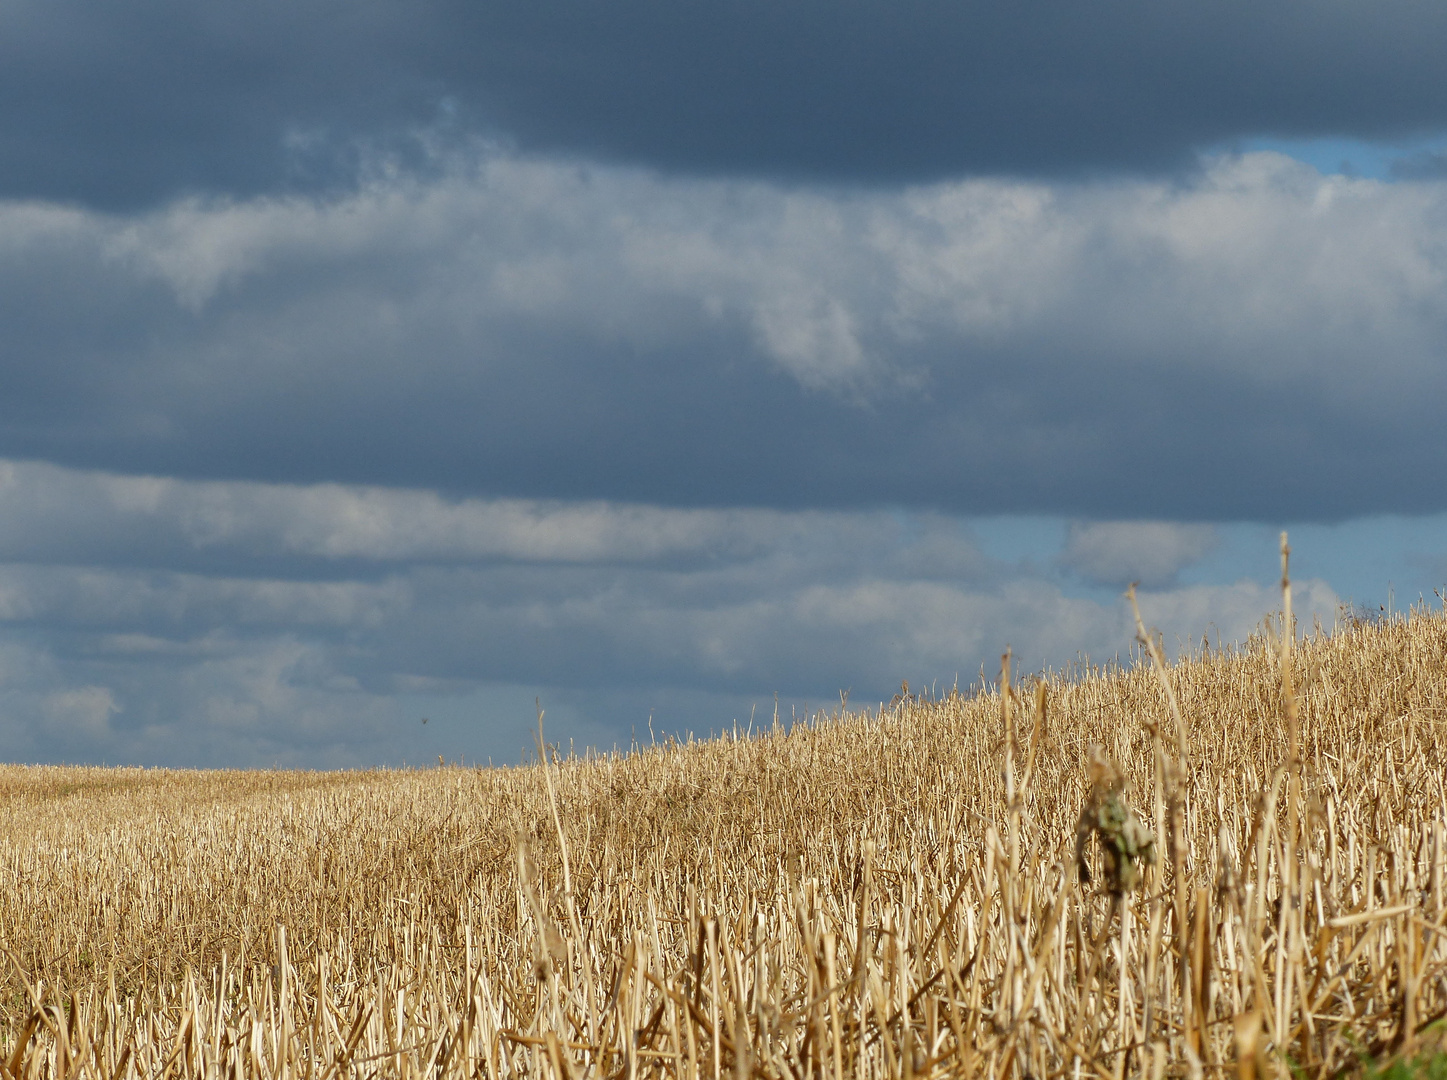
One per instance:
(895, 892)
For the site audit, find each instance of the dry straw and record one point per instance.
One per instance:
(891, 893)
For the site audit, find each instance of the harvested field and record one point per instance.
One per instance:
(888, 893)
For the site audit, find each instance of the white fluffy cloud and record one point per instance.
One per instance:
(1260, 266)
(1150, 553)
(1259, 245)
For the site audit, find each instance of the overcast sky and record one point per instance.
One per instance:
(367, 362)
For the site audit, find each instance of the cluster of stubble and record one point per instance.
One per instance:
(883, 893)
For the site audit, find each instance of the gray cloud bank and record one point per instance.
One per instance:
(167, 621)
(121, 105)
(1261, 342)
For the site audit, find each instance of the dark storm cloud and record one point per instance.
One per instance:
(129, 104)
(122, 105)
(863, 89)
